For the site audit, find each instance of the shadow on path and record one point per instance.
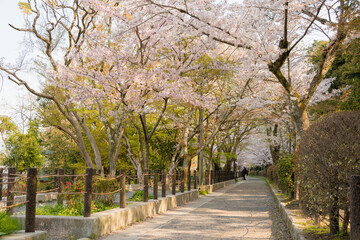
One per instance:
(241, 211)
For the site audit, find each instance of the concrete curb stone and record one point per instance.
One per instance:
(21, 235)
(289, 216)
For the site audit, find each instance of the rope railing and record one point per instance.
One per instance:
(108, 179)
(132, 178)
(107, 193)
(15, 200)
(22, 192)
(71, 193)
(17, 181)
(14, 205)
(69, 175)
(50, 190)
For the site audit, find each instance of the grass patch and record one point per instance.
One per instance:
(8, 225)
(139, 196)
(203, 192)
(63, 210)
(316, 230)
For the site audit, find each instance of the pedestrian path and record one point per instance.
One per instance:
(239, 211)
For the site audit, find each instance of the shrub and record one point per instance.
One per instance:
(8, 225)
(75, 202)
(271, 173)
(284, 172)
(101, 186)
(328, 154)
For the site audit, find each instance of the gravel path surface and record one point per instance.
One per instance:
(245, 210)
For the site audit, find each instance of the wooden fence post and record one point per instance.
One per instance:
(212, 177)
(72, 177)
(195, 185)
(55, 179)
(156, 179)
(129, 178)
(355, 207)
(189, 180)
(136, 178)
(207, 177)
(1, 182)
(163, 183)
(122, 188)
(90, 172)
(146, 185)
(173, 192)
(31, 188)
(60, 185)
(10, 191)
(182, 181)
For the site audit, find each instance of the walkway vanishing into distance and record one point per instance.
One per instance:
(245, 210)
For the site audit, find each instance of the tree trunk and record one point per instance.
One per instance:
(346, 220)
(201, 142)
(300, 117)
(334, 217)
(92, 141)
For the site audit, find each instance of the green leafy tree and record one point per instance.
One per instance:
(346, 71)
(24, 149)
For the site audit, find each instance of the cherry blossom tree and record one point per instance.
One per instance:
(273, 32)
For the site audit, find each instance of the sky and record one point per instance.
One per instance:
(10, 45)
(11, 95)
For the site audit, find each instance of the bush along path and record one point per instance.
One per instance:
(245, 210)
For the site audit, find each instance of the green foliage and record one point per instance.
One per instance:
(61, 151)
(75, 203)
(24, 149)
(203, 192)
(271, 173)
(100, 186)
(328, 154)
(139, 196)
(162, 149)
(324, 107)
(7, 126)
(353, 101)
(7, 224)
(67, 210)
(284, 171)
(346, 70)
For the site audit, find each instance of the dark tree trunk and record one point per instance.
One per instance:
(334, 217)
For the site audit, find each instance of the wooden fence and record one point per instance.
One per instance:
(149, 180)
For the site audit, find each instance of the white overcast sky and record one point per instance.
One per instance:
(10, 47)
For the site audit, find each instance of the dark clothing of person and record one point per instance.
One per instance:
(244, 172)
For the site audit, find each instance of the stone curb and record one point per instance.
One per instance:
(295, 232)
(21, 235)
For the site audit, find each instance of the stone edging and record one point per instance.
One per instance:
(296, 232)
(21, 235)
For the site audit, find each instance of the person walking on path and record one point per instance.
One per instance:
(244, 172)
(245, 210)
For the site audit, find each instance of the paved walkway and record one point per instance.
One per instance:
(239, 211)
